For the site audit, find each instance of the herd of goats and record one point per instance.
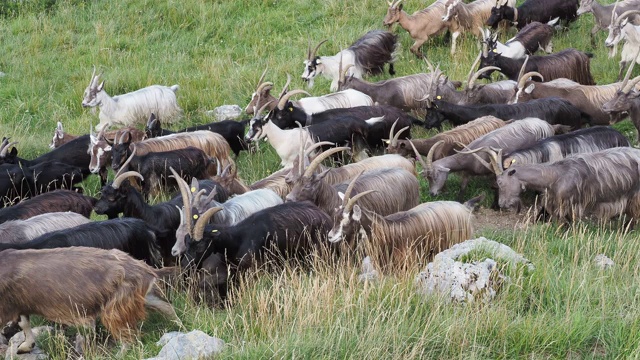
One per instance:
(526, 134)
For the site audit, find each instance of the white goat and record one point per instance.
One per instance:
(21, 231)
(622, 29)
(134, 107)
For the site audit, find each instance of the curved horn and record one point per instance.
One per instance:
(633, 84)
(313, 53)
(262, 76)
(126, 163)
(186, 198)
(318, 160)
(263, 85)
(524, 66)
(419, 156)
(473, 66)
(625, 15)
(285, 87)
(283, 100)
(394, 141)
(429, 65)
(352, 184)
(352, 201)
(524, 78)
(124, 176)
(393, 127)
(259, 111)
(628, 75)
(343, 73)
(431, 152)
(198, 228)
(3, 151)
(474, 78)
(311, 148)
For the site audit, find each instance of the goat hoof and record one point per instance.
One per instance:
(25, 347)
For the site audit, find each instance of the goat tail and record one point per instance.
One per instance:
(175, 88)
(472, 204)
(154, 249)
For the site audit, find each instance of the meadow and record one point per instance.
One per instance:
(216, 51)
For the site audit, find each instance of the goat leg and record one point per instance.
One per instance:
(623, 65)
(463, 187)
(29, 338)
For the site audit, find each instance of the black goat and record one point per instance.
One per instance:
(569, 63)
(120, 197)
(292, 229)
(232, 131)
(55, 201)
(552, 110)
(533, 10)
(132, 236)
(13, 184)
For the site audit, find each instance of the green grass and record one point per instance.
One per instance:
(216, 51)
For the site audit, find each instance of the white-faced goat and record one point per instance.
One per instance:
(569, 64)
(132, 108)
(453, 139)
(602, 184)
(132, 236)
(527, 41)
(623, 29)
(511, 137)
(421, 25)
(59, 200)
(100, 147)
(532, 10)
(367, 56)
(424, 230)
(605, 14)
(71, 295)
(292, 230)
(466, 18)
(21, 231)
(626, 101)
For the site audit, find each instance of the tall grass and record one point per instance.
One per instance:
(216, 51)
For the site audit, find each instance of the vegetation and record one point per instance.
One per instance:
(216, 52)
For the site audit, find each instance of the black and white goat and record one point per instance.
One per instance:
(527, 41)
(533, 10)
(367, 55)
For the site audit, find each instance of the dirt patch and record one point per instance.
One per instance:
(491, 220)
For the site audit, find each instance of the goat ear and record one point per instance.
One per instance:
(357, 213)
(400, 7)
(529, 89)
(341, 194)
(101, 86)
(511, 172)
(107, 148)
(13, 152)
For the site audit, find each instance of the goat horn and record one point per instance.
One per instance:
(496, 161)
(262, 76)
(186, 198)
(431, 152)
(523, 79)
(352, 184)
(301, 152)
(313, 54)
(283, 101)
(198, 228)
(343, 73)
(474, 78)
(259, 111)
(352, 201)
(394, 141)
(196, 198)
(613, 13)
(419, 156)
(625, 15)
(285, 87)
(318, 160)
(524, 66)
(628, 75)
(124, 176)
(3, 151)
(225, 171)
(263, 85)
(429, 64)
(94, 79)
(476, 62)
(393, 127)
(633, 83)
(121, 140)
(317, 145)
(126, 163)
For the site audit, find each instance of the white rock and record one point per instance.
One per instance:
(193, 345)
(468, 282)
(603, 262)
(369, 273)
(226, 112)
(35, 354)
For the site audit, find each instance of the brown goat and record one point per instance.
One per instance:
(421, 25)
(261, 96)
(82, 284)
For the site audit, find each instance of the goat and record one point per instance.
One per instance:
(117, 289)
(231, 130)
(569, 64)
(511, 137)
(261, 96)
(367, 55)
(527, 41)
(533, 10)
(131, 108)
(622, 28)
(21, 231)
(132, 236)
(604, 184)
(424, 229)
(292, 229)
(558, 147)
(604, 14)
(399, 189)
(462, 18)
(100, 149)
(52, 175)
(60, 137)
(212, 144)
(287, 112)
(552, 110)
(59, 200)
(276, 182)
(626, 101)
(453, 139)
(14, 185)
(421, 25)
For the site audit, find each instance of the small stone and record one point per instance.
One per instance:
(193, 345)
(225, 112)
(603, 262)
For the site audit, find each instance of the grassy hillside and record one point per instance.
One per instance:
(216, 51)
